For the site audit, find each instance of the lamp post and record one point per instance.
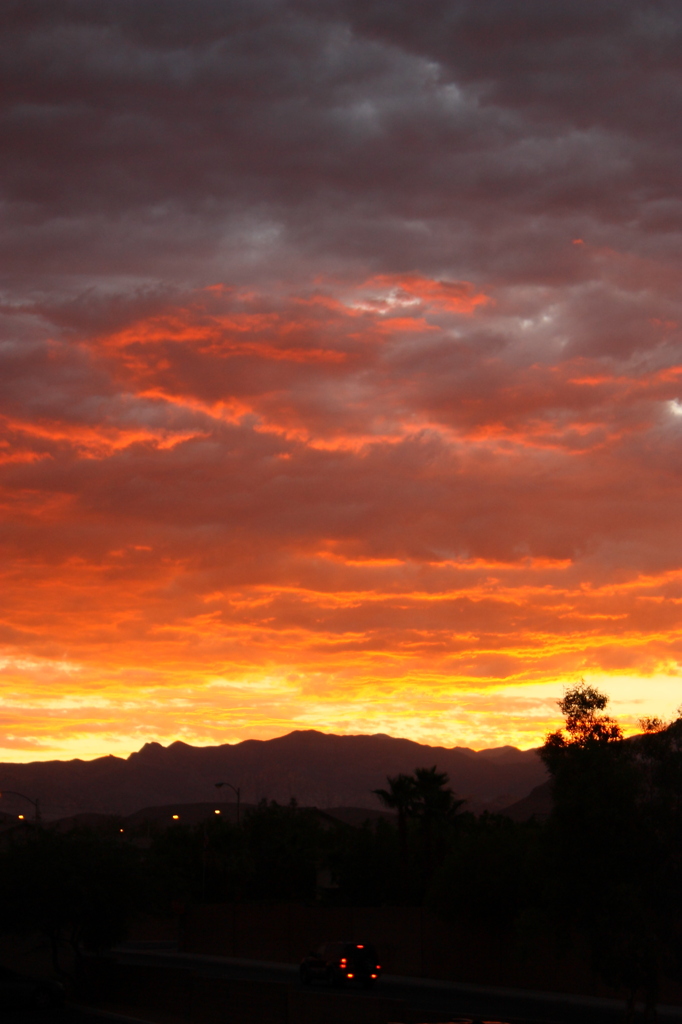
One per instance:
(235, 789)
(36, 802)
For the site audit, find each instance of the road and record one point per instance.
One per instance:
(435, 1001)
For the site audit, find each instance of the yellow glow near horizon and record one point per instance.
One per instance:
(519, 714)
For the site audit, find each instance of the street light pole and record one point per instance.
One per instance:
(36, 802)
(235, 789)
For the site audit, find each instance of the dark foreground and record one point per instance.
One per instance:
(469, 1008)
(407, 1000)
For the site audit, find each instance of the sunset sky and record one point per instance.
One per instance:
(340, 370)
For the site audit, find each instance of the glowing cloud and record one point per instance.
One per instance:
(340, 369)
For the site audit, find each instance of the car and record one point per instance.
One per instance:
(22, 991)
(337, 963)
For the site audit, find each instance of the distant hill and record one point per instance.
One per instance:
(317, 769)
(195, 814)
(537, 804)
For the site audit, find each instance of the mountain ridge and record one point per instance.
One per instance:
(315, 768)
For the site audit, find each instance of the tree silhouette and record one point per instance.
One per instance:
(433, 796)
(586, 726)
(602, 867)
(400, 797)
(426, 798)
(436, 806)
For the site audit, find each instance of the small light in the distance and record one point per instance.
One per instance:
(216, 812)
(20, 817)
(175, 817)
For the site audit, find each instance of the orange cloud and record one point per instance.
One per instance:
(293, 511)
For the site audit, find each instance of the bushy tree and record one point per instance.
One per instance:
(491, 874)
(367, 866)
(614, 841)
(283, 847)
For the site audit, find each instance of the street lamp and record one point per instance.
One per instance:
(36, 802)
(235, 789)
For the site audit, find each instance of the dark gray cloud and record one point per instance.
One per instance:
(175, 141)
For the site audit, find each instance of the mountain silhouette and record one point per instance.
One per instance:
(317, 769)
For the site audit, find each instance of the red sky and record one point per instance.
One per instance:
(340, 379)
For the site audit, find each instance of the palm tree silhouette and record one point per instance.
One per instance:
(435, 804)
(399, 796)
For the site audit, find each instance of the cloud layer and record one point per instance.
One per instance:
(339, 367)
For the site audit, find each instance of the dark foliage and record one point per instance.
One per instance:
(273, 854)
(491, 873)
(614, 843)
(77, 888)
